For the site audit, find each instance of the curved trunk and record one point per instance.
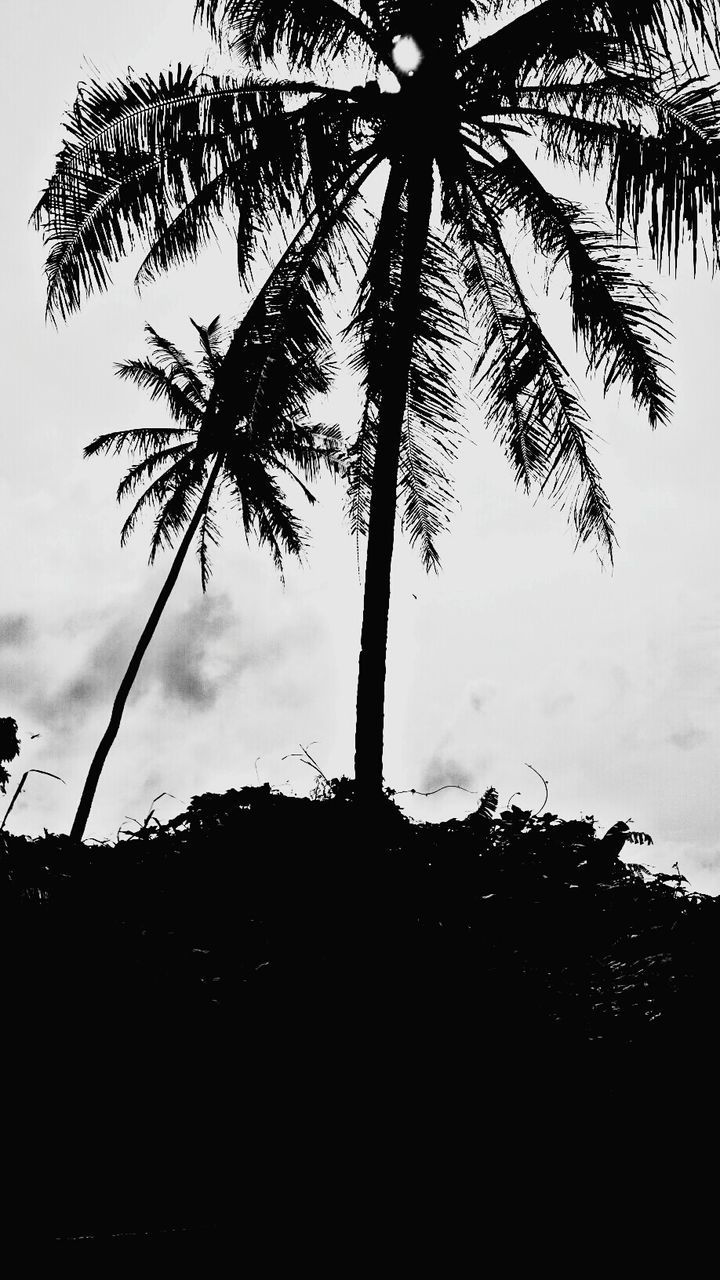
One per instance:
(88, 793)
(383, 502)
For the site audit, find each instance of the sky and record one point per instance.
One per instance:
(520, 652)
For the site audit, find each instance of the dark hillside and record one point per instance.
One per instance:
(200, 988)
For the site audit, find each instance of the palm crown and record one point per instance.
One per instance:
(252, 461)
(611, 88)
(592, 84)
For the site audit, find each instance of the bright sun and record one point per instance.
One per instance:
(406, 55)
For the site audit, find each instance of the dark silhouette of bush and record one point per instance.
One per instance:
(262, 958)
(258, 892)
(9, 747)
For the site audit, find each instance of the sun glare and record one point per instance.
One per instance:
(406, 55)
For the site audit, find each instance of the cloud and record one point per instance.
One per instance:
(481, 693)
(210, 647)
(79, 693)
(554, 704)
(15, 630)
(96, 681)
(196, 656)
(444, 771)
(181, 661)
(688, 739)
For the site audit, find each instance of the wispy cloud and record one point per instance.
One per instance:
(444, 771)
(688, 739)
(180, 662)
(15, 630)
(191, 661)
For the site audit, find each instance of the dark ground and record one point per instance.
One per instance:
(272, 1015)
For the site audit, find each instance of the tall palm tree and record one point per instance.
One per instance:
(456, 102)
(240, 428)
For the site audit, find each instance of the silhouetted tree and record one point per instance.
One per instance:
(9, 747)
(460, 98)
(240, 427)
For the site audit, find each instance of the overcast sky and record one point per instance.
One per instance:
(520, 651)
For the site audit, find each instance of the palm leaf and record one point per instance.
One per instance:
(279, 357)
(672, 177)
(135, 439)
(551, 36)
(435, 406)
(208, 536)
(307, 32)
(179, 501)
(161, 161)
(617, 316)
(158, 492)
(164, 385)
(144, 470)
(530, 399)
(430, 433)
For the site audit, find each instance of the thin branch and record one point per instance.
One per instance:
(545, 784)
(306, 759)
(20, 786)
(449, 786)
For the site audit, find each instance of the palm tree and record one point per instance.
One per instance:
(457, 101)
(240, 427)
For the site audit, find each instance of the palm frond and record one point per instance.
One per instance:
(265, 512)
(310, 447)
(550, 37)
(307, 32)
(426, 494)
(162, 385)
(279, 357)
(435, 406)
(144, 470)
(505, 366)
(260, 185)
(589, 147)
(208, 536)
(370, 330)
(135, 439)
(530, 399)
(178, 505)
(543, 43)
(433, 410)
(358, 476)
(169, 356)
(617, 316)
(154, 495)
(671, 177)
(211, 344)
(138, 152)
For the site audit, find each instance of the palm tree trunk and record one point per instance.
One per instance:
(88, 793)
(383, 502)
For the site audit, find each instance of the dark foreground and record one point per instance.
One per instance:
(272, 1012)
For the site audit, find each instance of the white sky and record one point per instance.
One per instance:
(520, 651)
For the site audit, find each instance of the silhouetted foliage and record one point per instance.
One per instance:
(254, 892)
(180, 1001)
(9, 747)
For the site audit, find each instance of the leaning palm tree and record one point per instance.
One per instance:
(240, 429)
(455, 102)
